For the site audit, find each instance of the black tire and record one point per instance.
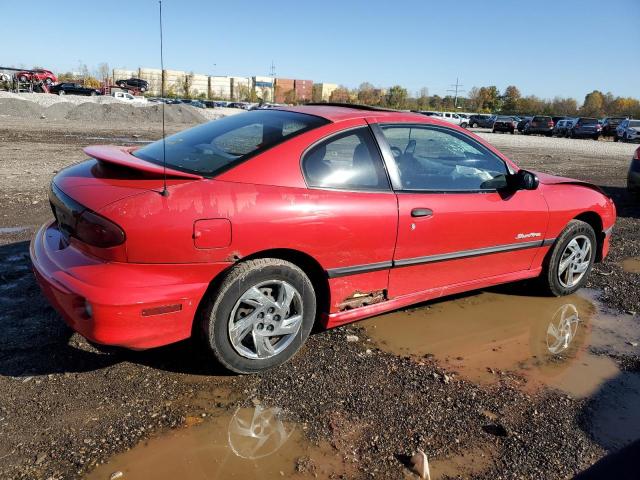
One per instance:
(550, 274)
(61, 92)
(220, 304)
(616, 138)
(464, 125)
(493, 131)
(512, 132)
(595, 137)
(92, 94)
(475, 125)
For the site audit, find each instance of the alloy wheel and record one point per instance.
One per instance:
(575, 261)
(265, 319)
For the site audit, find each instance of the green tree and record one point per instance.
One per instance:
(396, 97)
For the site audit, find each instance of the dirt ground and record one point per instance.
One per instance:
(68, 410)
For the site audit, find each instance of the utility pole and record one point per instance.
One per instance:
(456, 90)
(272, 74)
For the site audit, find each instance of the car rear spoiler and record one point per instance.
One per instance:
(122, 156)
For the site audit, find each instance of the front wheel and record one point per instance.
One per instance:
(464, 125)
(260, 315)
(61, 92)
(571, 259)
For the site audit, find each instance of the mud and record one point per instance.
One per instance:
(631, 265)
(538, 340)
(68, 407)
(251, 442)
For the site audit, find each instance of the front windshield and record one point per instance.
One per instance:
(216, 146)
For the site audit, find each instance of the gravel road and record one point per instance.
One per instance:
(66, 406)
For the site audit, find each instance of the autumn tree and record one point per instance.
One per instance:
(340, 95)
(510, 99)
(593, 105)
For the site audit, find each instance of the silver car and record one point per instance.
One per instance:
(628, 131)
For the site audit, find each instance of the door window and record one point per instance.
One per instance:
(349, 160)
(440, 159)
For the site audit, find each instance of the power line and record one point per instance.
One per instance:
(456, 90)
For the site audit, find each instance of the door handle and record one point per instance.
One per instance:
(421, 212)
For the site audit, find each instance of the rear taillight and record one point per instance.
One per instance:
(550, 123)
(636, 155)
(97, 231)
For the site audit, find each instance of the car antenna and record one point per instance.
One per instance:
(165, 192)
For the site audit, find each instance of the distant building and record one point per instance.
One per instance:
(240, 88)
(263, 86)
(324, 91)
(220, 87)
(303, 89)
(284, 89)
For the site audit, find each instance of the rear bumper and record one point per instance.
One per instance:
(122, 296)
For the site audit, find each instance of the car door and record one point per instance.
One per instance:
(456, 224)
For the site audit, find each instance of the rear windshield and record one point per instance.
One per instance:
(217, 146)
(541, 119)
(504, 119)
(588, 121)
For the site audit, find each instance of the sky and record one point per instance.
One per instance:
(545, 48)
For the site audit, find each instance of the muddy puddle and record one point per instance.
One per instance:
(631, 265)
(536, 340)
(255, 442)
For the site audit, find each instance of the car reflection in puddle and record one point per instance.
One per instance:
(536, 340)
(257, 433)
(250, 443)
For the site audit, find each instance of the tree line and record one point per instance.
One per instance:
(490, 100)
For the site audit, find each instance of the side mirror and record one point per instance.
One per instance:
(525, 180)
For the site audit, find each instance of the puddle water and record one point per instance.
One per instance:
(542, 340)
(248, 443)
(631, 265)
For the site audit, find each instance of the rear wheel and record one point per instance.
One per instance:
(260, 315)
(474, 125)
(464, 125)
(571, 259)
(61, 92)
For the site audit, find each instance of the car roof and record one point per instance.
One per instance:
(338, 112)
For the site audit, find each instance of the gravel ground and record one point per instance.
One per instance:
(48, 107)
(65, 406)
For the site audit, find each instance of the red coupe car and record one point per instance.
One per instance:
(274, 220)
(45, 76)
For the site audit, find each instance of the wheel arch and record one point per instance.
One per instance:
(308, 264)
(595, 221)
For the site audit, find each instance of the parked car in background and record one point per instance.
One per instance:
(540, 124)
(480, 121)
(221, 103)
(236, 254)
(633, 178)
(209, 103)
(557, 119)
(583, 127)
(40, 75)
(504, 123)
(454, 118)
(138, 83)
(561, 126)
(628, 131)
(610, 124)
(523, 123)
(127, 97)
(68, 88)
(197, 104)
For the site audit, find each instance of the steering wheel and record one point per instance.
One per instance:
(397, 152)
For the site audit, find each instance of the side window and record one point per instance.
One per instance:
(349, 160)
(439, 159)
